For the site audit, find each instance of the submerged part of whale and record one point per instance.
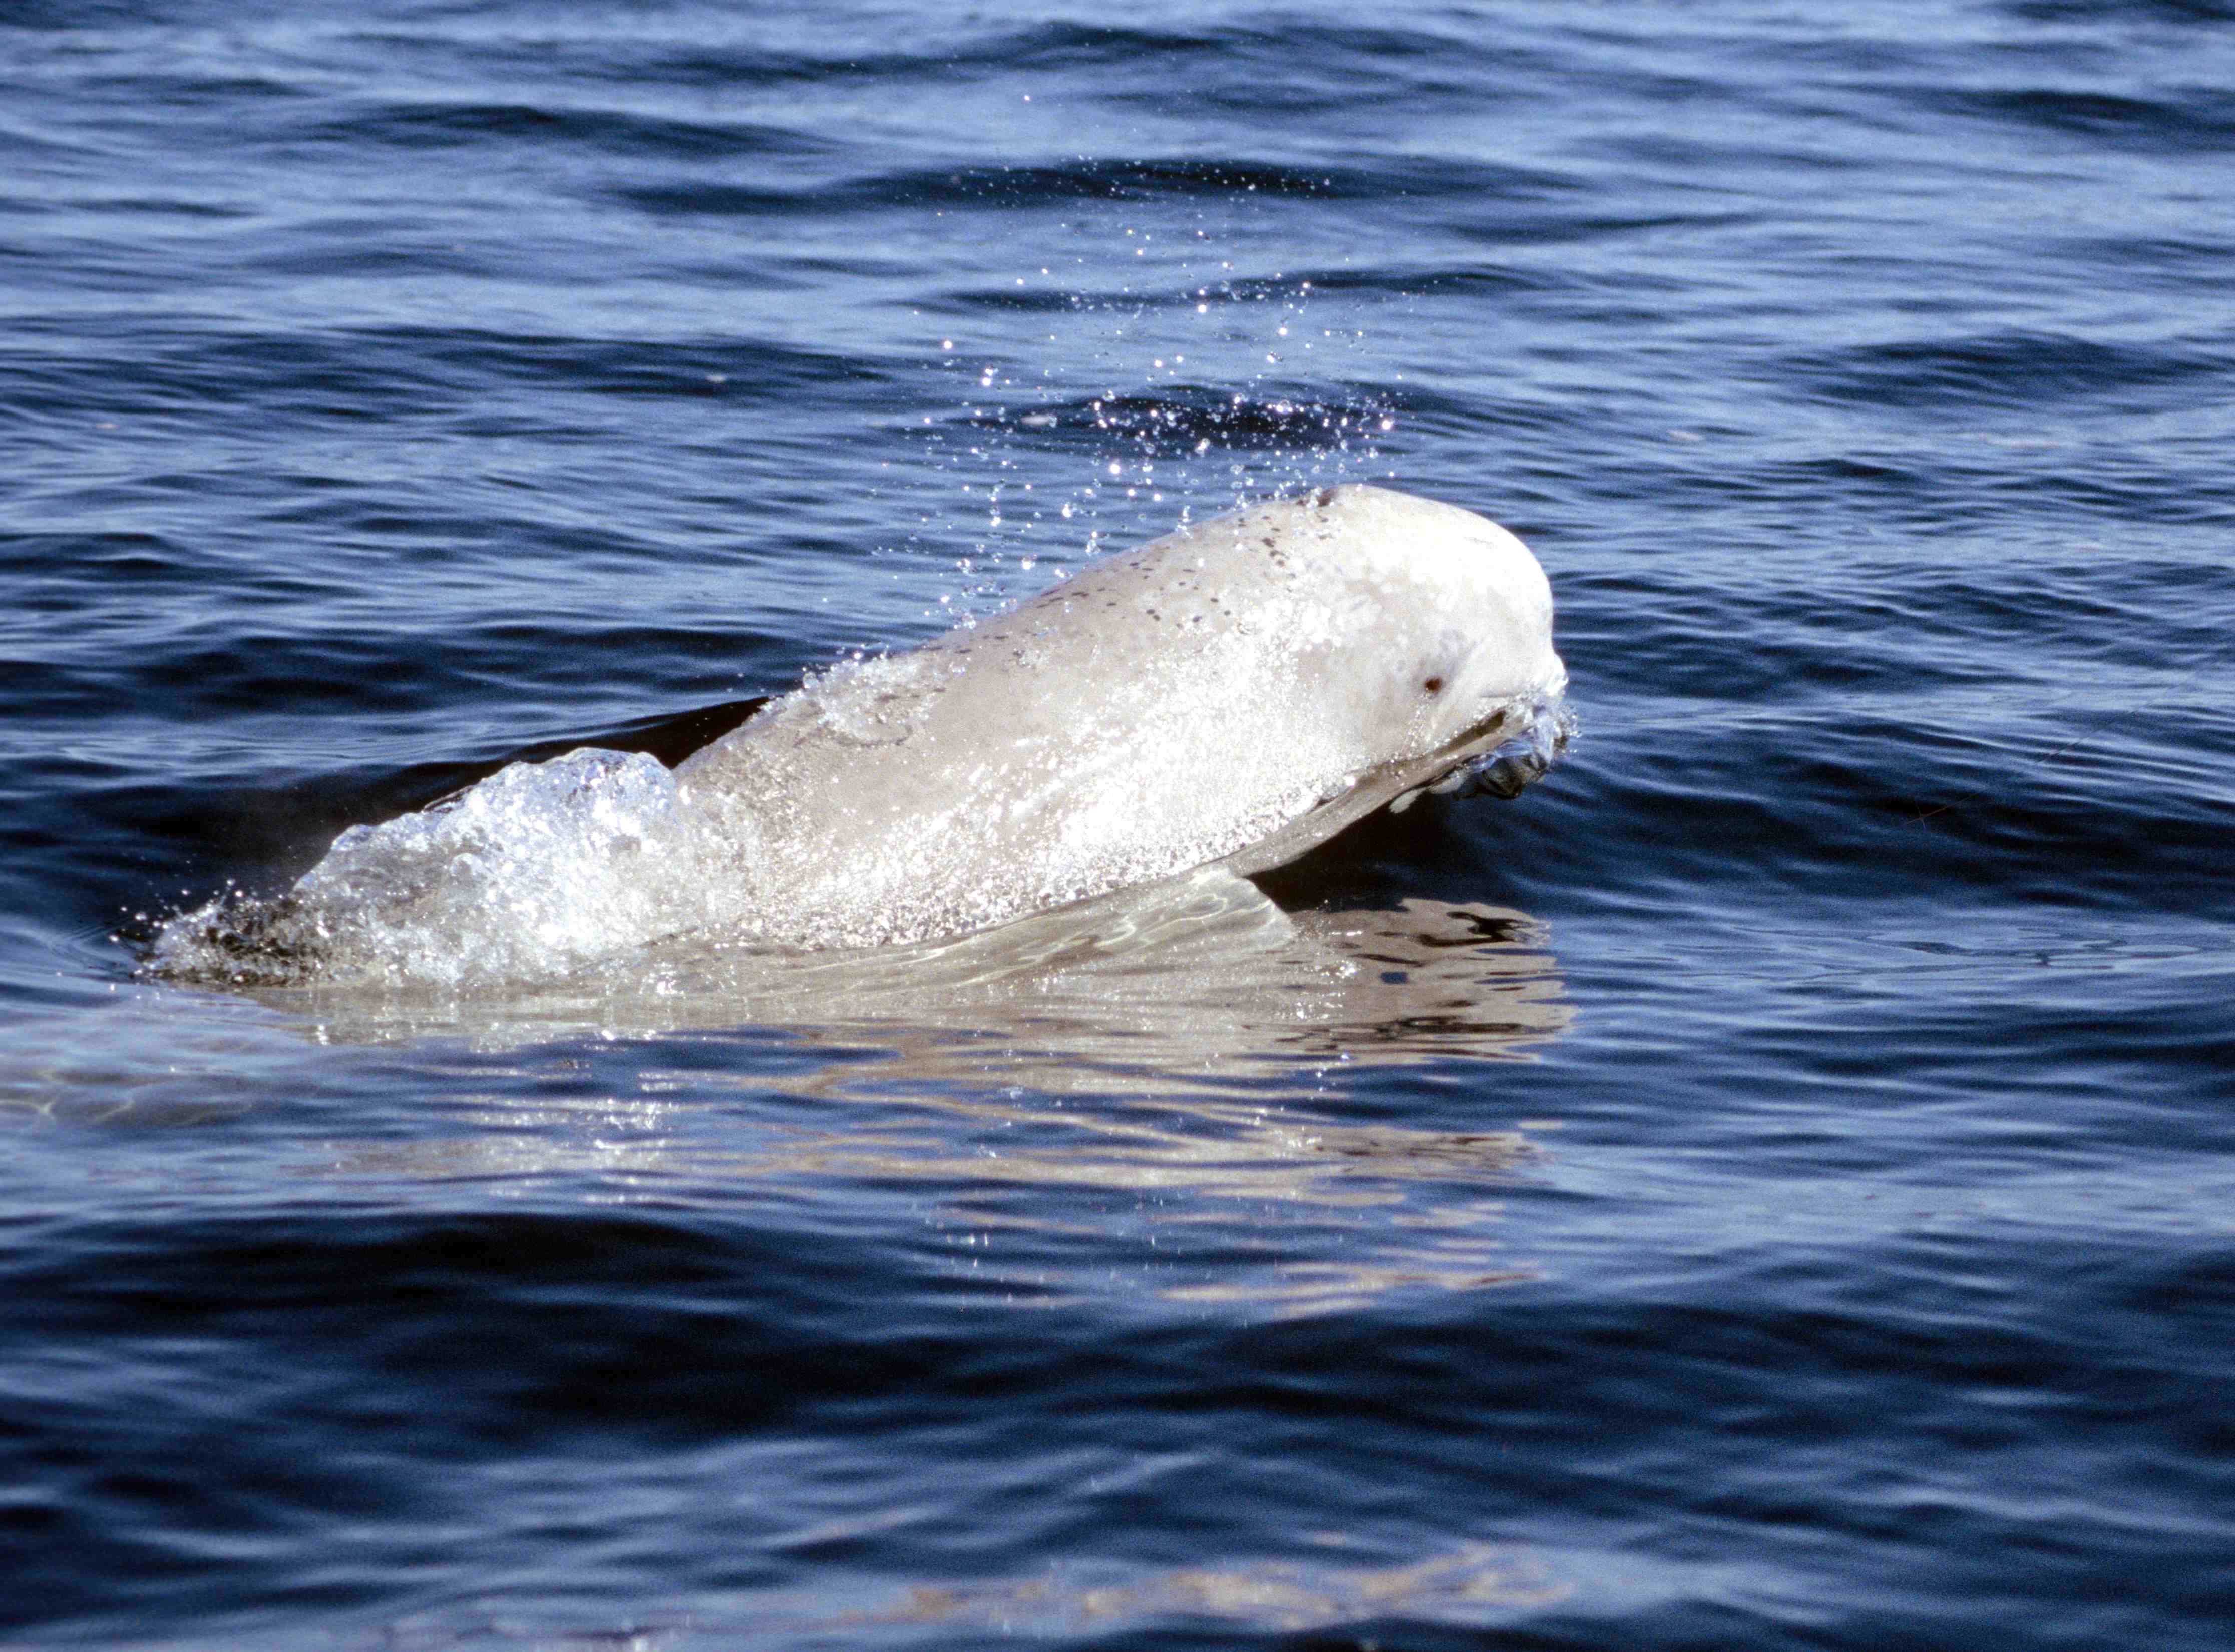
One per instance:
(1232, 694)
(1182, 989)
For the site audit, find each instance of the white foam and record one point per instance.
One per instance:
(538, 868)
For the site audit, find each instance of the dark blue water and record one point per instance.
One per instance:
(1785, 1195)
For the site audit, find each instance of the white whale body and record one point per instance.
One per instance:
(1232, 694)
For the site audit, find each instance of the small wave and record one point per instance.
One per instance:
(1026, 186)
(1192, 419)
(2169, 11)
(351, 376)
(2006, 370)
(616, 132)
(1487, 281)
(1115, 179)
(1293, 58)
(2199, 123)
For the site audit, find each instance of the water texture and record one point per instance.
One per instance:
(1768, 1186)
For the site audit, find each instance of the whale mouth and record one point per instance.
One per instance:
(1499, 756)
(1506, 769)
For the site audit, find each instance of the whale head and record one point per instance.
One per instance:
(1425, 633)
(1453, 613)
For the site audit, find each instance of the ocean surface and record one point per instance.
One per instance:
(1770, 1186)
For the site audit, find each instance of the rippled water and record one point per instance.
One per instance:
(1768, 1186)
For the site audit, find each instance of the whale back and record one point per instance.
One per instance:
(1167, 708)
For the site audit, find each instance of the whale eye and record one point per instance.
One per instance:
(1434, 686)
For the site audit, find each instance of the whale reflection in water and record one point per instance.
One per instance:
(1188, 1042)
(1152, 1094)
(1192, 983)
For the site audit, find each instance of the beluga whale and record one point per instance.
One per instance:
(1229, 695)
